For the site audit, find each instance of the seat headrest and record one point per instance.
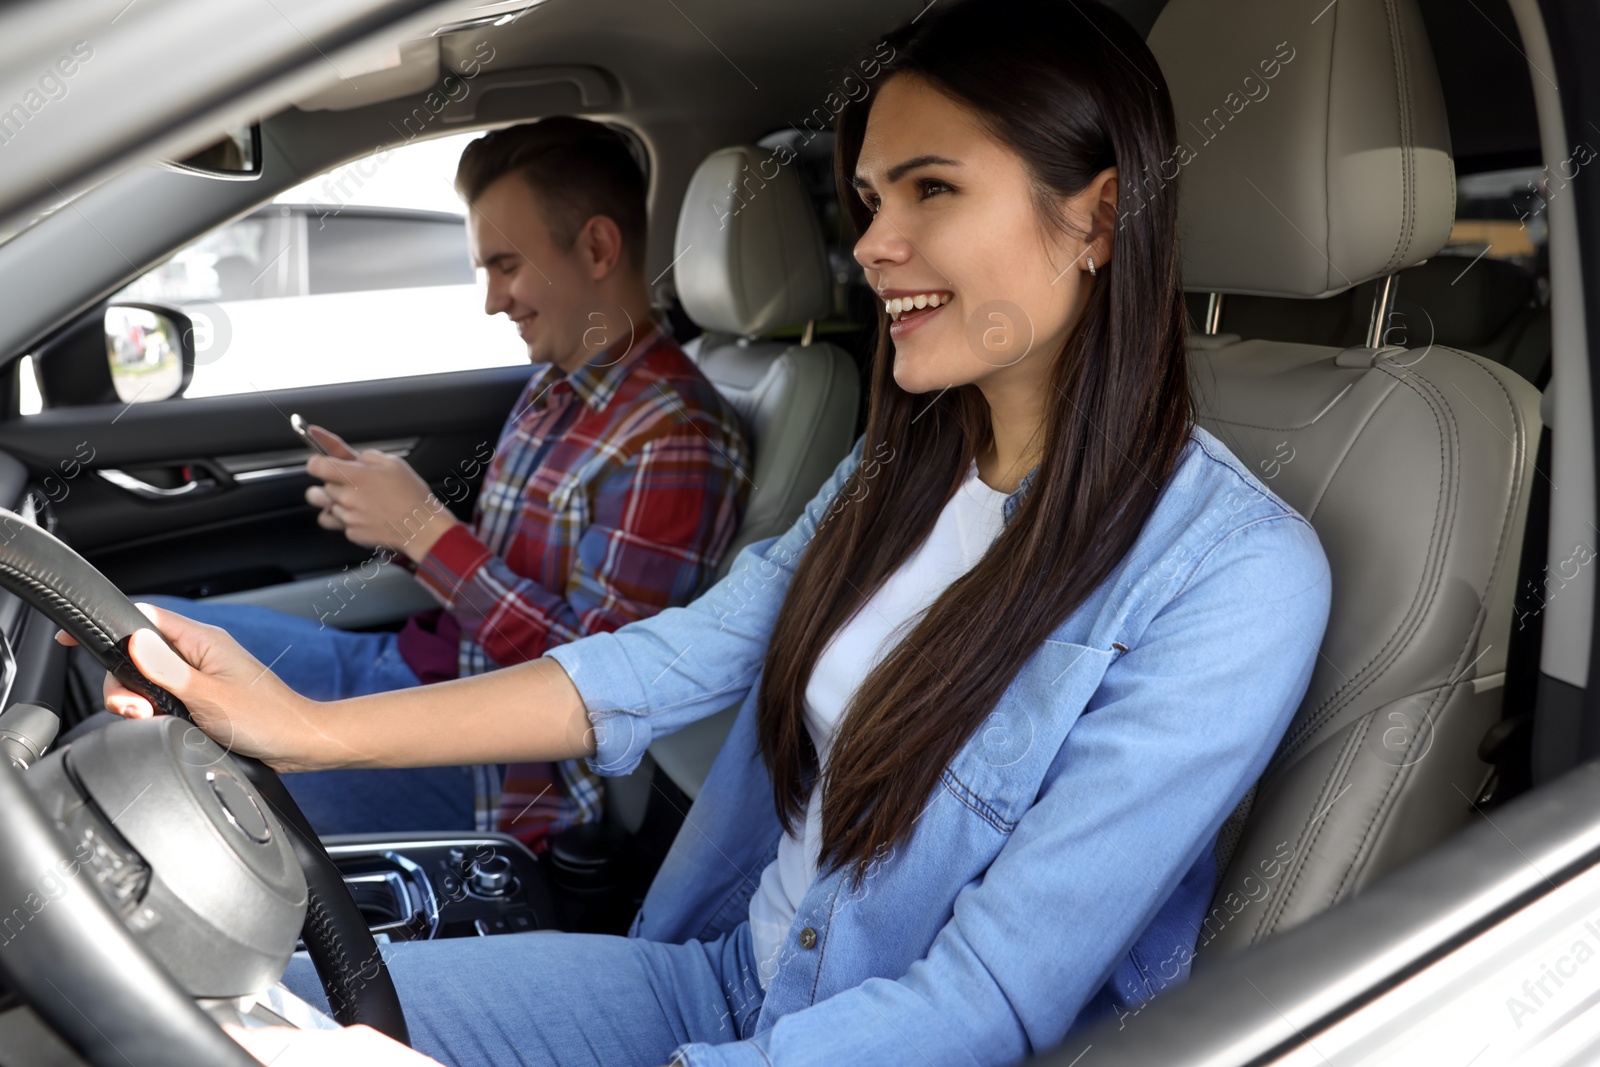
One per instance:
(750, 256)
(1314, 152)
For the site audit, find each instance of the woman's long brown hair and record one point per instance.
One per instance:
(1072, 89)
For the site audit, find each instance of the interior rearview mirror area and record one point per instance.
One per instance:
(235, 156)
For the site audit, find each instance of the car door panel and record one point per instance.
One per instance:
(243, 531)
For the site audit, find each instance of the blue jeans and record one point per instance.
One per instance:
(327, 664)
(568, 999)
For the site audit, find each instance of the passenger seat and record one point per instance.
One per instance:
(751, 261)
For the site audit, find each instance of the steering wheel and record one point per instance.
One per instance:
(114, 964)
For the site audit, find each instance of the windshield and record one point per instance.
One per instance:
(415, 176)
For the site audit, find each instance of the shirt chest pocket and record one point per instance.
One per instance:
(998, 772)
(569, 493)
(564, 495)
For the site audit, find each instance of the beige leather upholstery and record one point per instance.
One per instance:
(798, 403)
(1315, 152)
(1414, 466)
(751, 263)
(750, 257)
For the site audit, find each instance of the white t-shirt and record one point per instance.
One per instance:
(966, 527)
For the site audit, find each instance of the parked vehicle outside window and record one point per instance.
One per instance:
(356, 275)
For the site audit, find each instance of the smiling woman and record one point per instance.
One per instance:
(986, 200)
(999, 685)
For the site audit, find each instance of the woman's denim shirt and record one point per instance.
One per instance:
(1062, 867)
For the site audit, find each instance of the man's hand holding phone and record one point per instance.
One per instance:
(375, 498)
(321, 439)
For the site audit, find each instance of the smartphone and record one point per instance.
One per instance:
(298, 425)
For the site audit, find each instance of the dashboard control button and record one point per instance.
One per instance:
(490, 876)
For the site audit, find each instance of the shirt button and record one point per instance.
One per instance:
(808, 938)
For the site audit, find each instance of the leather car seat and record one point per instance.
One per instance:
(750, 262)
(1414, 466)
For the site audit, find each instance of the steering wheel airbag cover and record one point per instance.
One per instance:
(222, 909)
(50, 577)
(70, 954)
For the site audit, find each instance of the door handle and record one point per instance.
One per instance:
(139, 487)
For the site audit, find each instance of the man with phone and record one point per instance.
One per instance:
(303, 428)
(616, 484)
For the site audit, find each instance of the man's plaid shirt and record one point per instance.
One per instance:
(612, 494)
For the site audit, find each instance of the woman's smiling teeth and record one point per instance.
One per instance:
(902, 304)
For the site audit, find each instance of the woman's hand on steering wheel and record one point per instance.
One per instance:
(236, 700)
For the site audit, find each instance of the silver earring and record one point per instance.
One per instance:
(1092, 271)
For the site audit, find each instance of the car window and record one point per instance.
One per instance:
(359, 274)
(1501, 214)
(353, 253)
(231, 263)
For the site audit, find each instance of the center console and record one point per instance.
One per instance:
(420, 886)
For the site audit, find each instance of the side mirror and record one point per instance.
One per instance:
(124, 353)
(149, 351)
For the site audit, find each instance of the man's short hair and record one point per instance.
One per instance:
(577, 168)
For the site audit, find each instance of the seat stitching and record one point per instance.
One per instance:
(1274, 912)
(1354, 863)
(1384, 656)
(1372, 820)
(1521, 443)
(1504, 540)
(1343, 694)
(1413, 212)
(1403, 774)
(1407, 160)
(1327, 154)
(1474, 633)
(1361, 856)
(1333, 471)
(1284, 429)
